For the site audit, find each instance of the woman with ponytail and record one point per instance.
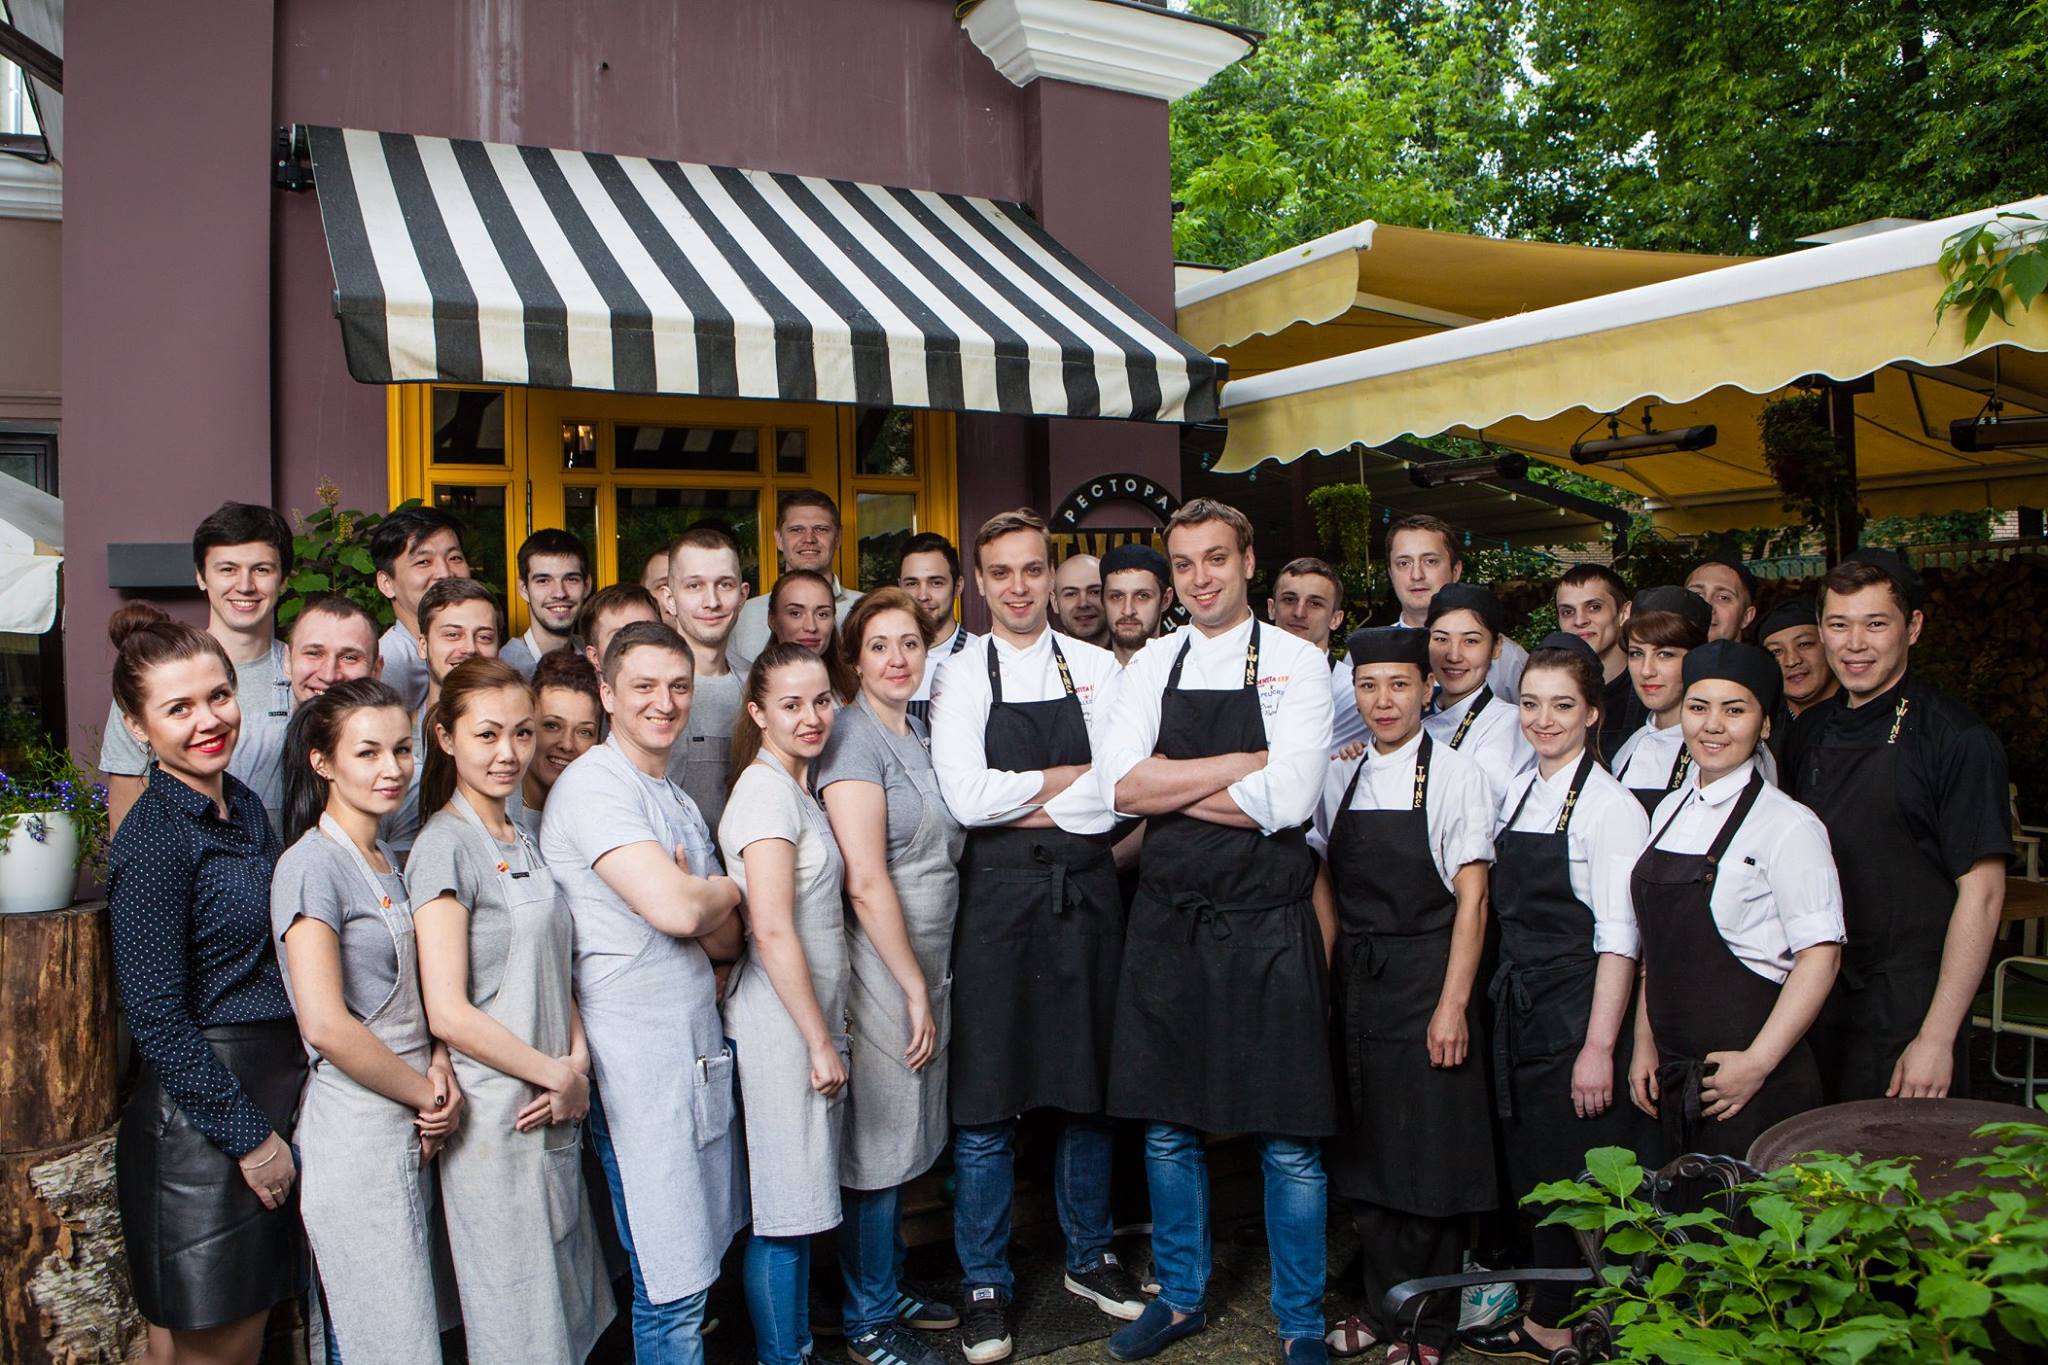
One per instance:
(496, 970)
(203, 1164)
(380, 1096)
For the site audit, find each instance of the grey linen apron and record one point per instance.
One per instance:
(897, 1122)
(366, 1198)
(794, 1134)
(526, 1255)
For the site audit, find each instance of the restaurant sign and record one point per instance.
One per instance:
(1069, 537)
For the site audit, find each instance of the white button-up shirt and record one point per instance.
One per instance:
(980, 795)
(959, 642)
(1504, 677)
(1776, 891)
(1602, 843)
(1458, 807)
(1294, 701)
(1347, 727)
(1647, 757)
(1495, 742)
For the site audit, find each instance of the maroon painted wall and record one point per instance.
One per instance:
(166, 256)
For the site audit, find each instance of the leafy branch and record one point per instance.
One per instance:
(2006, 254)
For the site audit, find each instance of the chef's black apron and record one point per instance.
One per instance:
(1542, 994)
(1039, 937)
(1896, 905)
(1221, 1013)
(1415, 1137)
(1703, 999)
(1680, 766)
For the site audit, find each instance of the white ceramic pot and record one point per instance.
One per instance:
(38, 876)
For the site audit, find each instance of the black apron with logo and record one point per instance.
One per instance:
(1704, 999)
(1221, 1013)
(1896, 905)
(1651, 796)
(1416, 1138)
(1542, 996)
(1039, 938)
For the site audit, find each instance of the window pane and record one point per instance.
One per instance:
(792, 456)
(883, 442)
(716, 450)
(469, 427)
(650, 518)
(480, 511)
(579, 517)
(886, 521)
(579, 445)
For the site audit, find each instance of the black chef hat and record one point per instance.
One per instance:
(1679, 601)
(1471, 597)
(1570, 644)
(1388, 645)
(1738, 663)
(1798, 611)
(1137, 554)
(1894, 566)
(1741, 571)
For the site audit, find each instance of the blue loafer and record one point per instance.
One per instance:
(1153, 1332)
(1305, 1351)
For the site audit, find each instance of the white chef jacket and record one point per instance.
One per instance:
(1495, 741)
(957, 643)
(1777, 891)
(1605, 838)
(1294, 700)
(979, 795)
(1647, 757)
(1504, 676)
(1458, 807)
(750, 635)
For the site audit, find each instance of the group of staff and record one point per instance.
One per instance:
(412, 931)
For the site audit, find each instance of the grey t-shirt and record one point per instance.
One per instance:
(700, 763)
(317, 878)
(405, 668)
(858, 751)
(452, 857)
(400, 828)
(520, 655)
(263, 688)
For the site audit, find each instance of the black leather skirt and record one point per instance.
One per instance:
(202, 1249)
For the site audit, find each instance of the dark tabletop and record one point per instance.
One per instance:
(1937, 1132)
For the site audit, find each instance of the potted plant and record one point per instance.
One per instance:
(53, 823)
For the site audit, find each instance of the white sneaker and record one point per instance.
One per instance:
(1482, 1305)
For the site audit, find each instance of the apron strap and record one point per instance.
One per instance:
(528, 854)
(995, 671)
(1680, 766)
(1728, 826)
(1571, 796)
(1471, 714)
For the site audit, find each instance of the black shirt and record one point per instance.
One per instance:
(1952, 773)
(1621, 715)
(189, 900)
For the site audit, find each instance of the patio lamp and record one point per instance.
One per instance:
(1648, 442)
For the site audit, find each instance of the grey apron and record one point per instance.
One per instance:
(366, 1199)
(897, 1124)
(519, 1224)
(794, 1134)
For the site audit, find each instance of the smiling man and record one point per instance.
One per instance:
(240, 556)
(807, 537)
(1790, 631)
(413, 548)
(928, 568)
(1912, 788)
(1077, 600)
(1422, 556)
(332, 639)
(705, 593)
(554, 578)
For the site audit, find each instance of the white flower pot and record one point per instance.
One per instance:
(38, 876)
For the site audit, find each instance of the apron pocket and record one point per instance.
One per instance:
(711, 1098)
(1005, 904)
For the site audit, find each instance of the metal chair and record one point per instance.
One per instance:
(2017, 1003)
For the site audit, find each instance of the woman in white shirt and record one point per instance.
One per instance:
(1740, 912)
(1664, 625)
(1569, 837)
(1464, 628)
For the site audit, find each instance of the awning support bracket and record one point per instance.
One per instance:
(290, 170)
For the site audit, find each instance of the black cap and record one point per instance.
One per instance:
(1787, 615)
(1894, 566)
(1388, 645)
(1471, 597)
(1738, 663)
(1136, 554)
(1676, 600)
(1741, 571)
(1570, 644)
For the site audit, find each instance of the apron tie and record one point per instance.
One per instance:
(1200, 910)
(1510, 996)
(1064, 895)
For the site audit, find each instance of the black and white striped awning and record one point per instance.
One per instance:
(481, 262)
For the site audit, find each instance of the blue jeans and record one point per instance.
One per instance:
(777, 1277)
(1297, 1199)
(984, 1169)
(870, 1256)
(669, 1333)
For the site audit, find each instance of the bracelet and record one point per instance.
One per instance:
(261, 1164)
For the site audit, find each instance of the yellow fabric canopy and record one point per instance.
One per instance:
(1700, 348)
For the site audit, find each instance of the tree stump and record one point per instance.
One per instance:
(64, 1294)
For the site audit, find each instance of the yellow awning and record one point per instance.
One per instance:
(1706, 348)
(1373, 284)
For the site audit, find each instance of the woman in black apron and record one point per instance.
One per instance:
(1663, 625)
(1407, 835)
(1740, 912)
(204, 1167)
(1561, 993)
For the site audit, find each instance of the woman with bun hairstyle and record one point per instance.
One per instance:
(1569, 835)
(568, 718)
(1663, 625)
(496, 968)
(203, 1164)
(381, 1098)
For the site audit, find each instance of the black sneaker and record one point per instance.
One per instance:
(891, 1345)
(923, 1313)
(1109, 1287)
(985, 1325)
